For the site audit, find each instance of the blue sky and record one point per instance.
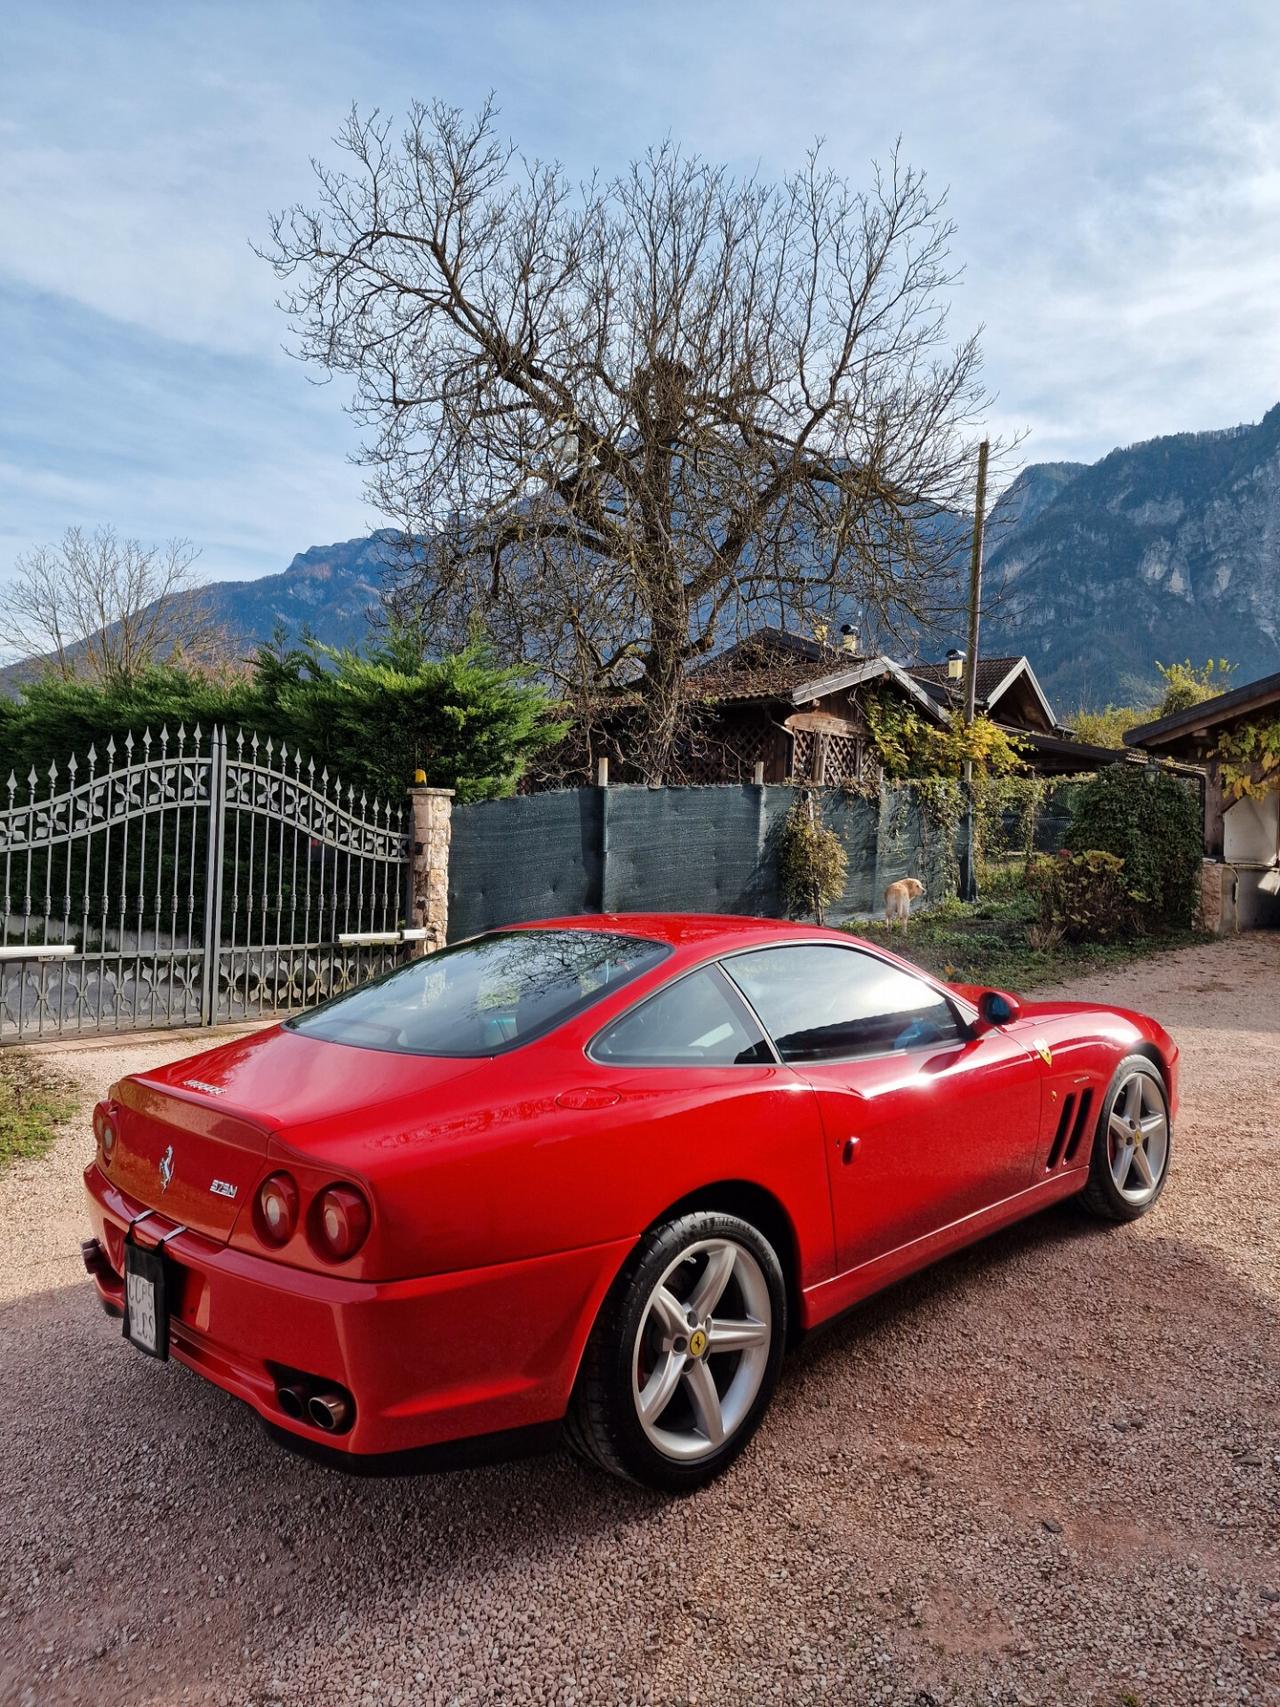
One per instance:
(1114, 169)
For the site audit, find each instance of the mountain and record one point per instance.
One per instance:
(329, 589)
(1168, 549)
(1165, 550)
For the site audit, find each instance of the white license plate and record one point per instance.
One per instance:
(146, 1322)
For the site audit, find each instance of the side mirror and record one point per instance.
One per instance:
(998, 1007)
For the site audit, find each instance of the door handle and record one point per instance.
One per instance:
(848, 1150)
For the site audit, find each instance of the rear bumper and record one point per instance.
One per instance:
(432, 1360)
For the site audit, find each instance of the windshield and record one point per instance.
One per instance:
(484, 996)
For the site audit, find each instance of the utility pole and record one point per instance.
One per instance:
(968, 871)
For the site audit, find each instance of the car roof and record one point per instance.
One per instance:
(705, 931)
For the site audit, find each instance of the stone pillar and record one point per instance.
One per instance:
(1217, 910)
(429, 831)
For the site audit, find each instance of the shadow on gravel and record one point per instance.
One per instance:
(151, 1528)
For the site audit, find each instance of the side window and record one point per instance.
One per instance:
(827, 1004)
(695, 1022)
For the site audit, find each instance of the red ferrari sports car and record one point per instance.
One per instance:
(590, 1177)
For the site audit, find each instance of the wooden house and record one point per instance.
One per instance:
(1241, 837)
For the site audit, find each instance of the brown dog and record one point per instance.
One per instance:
(898, 898)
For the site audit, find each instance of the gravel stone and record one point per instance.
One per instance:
(882, 1542)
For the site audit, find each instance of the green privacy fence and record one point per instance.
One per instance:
(688, 850)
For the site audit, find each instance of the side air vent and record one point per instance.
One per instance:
(1065, 1131)
(1081, 1126)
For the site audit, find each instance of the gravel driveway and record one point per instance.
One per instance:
(1046, 1471)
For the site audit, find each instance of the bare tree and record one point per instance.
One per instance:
(101, 607)
(616, 420)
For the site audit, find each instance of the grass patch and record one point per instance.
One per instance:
(985, 942)
(31, 1105)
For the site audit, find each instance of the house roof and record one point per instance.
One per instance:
(1180, 727)
(773, 664)
(992, 674)
(769, 664)
(1061, 753)
(993, 679)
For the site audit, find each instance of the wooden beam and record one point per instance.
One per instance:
(1214, 811)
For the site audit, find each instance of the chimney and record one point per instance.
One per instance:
(955, 665)
(849, 638)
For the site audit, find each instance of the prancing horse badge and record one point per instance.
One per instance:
(1043, 1050)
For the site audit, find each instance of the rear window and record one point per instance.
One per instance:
(485, 996)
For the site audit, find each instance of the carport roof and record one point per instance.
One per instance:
(1181, 727)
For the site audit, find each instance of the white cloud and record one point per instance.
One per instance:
(1115, 172)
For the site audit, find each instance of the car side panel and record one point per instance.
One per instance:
(828, 1299)
(554, 1151)
(1084, 1047)
(925, 1137)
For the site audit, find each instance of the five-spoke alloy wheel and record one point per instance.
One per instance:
(1130, 1157)
(685, 1355)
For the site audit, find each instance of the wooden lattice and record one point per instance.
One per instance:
(804, 752)
(729, 753)
(844, 759)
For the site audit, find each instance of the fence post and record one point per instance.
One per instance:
(602, 784)
(217, 762)
(430, 829)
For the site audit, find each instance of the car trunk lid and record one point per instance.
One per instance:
(193, 1139)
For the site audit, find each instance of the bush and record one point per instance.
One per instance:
(1152, 824)
(372, 718)
(1085, 897)
(812, 863)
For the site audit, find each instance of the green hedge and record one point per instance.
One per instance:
(372, 718)
(1152, 823)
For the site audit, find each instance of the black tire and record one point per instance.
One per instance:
(1102, 1196)
(603, 1425)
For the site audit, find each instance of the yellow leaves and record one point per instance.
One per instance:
(1249, 756)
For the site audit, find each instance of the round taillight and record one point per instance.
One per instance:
(277, 1209)
(341, 1222)
(104, 1132)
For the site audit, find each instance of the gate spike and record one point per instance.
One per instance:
(128, 745)
(164, 734)
(269, 749)
(93, 759)
(72, 767)
(13, 782)
(146, 738)
(111, 748)
(311, 767)
(32, 779)
(239, 743)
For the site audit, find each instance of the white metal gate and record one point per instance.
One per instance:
(191, 880)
